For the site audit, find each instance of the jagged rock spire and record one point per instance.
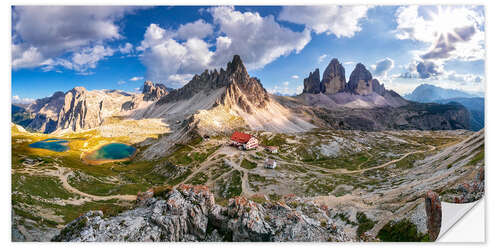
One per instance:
(153, 92)
(236, 66)
(312, 83)
(333, 77)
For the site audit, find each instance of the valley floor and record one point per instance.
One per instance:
(383, 175)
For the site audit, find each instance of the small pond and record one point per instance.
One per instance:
(111, 152)
(54, 144)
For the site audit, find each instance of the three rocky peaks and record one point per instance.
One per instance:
(360, 82)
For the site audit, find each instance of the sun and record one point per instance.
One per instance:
(445, 22)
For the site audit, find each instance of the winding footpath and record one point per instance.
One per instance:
(67, 186)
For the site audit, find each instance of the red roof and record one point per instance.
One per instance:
(240, 137)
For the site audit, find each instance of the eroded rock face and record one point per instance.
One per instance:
(153, 92)
(333, 77)
(433, 211)
(189, 213)
(242, 90)
(360, 81)
(312, 84)
(378, 88)
(76, 109)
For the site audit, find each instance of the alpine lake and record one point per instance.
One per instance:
(108, 153)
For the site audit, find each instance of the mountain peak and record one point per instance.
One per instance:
(312, 83)
(153, 92)
(360, 81)
(360, 70)
(333, 77)
(242, 90)
(236, 65)
(78, 89)
(430, 93)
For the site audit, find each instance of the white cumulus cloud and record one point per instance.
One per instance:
(127, 48)
(199, 29)
(49, 36)
(342, 21)
(172, 55)
(258, 40)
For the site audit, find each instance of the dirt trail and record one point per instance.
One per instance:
(205, 164)
(62, 174)
(64, 179)
(344, 171)
(245, 187)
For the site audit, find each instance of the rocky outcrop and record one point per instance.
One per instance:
(433, 211)
(360, 81)
(469, 191)
(333, 78)
(189, 213)
(312, 83)
(153, 92)
(77, 109)
(378, 88)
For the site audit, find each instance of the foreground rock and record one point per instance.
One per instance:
(189, 213)
(433, 211)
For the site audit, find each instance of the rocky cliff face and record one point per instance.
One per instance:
(242, 90)
(77, 109)
(189, 213)
(312, 83)
(360, 81)
(153, 92)
(245, 91)
(333, 77)
(378, 88)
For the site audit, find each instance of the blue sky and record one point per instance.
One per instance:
(120, 47)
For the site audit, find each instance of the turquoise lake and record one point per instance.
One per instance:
(112, 151)
(54, 144)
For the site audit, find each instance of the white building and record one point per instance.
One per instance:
(270, 164)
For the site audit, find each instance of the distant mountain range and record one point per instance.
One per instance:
(427, 93)
(221, 101)
(430, 93)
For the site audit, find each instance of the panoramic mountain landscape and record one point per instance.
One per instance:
(222, 155)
